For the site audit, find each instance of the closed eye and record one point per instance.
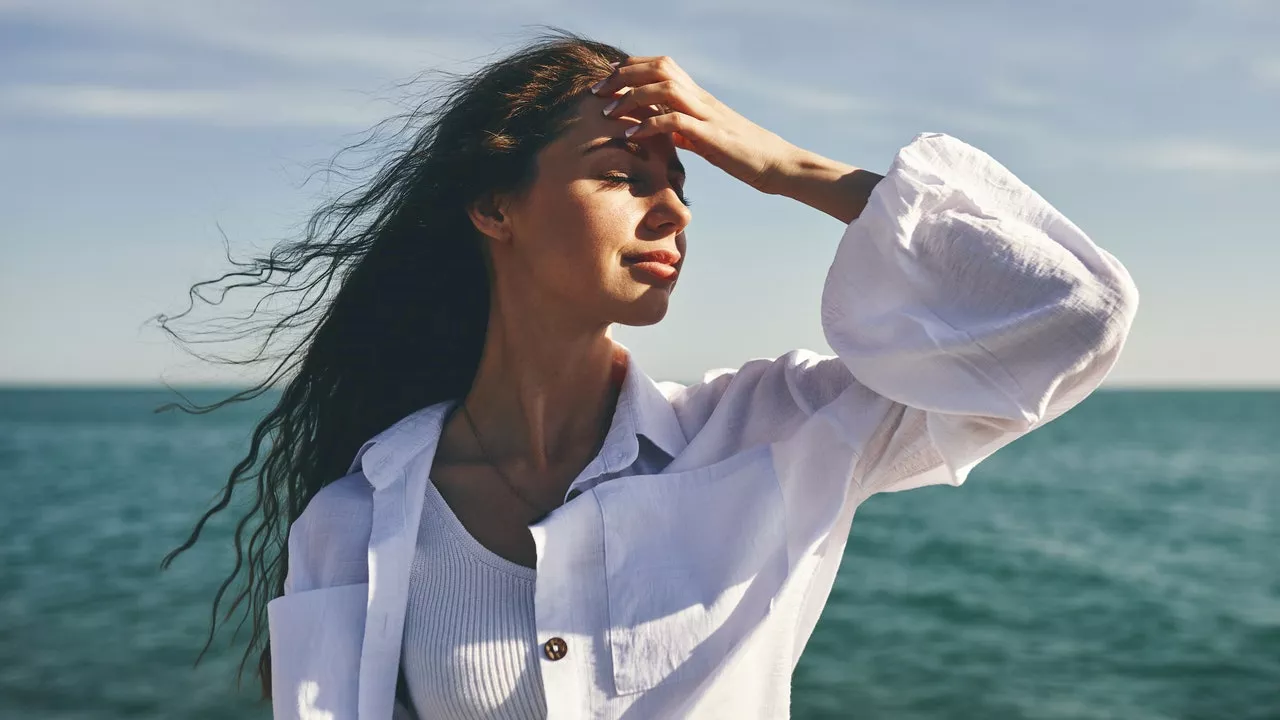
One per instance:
(621, 179)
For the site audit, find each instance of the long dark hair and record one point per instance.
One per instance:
(387, 296)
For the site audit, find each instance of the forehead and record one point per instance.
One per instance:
(590, 134)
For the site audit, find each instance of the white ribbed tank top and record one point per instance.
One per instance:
(470, 640)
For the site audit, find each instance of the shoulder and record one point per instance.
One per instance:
(763, 400)
(800, 380)
(328, 543)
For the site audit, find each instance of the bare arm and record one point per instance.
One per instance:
(837, 189)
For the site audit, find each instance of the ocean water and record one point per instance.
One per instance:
(1122, 562)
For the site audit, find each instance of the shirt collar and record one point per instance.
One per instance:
(642, 409)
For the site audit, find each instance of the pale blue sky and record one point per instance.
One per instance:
(131, 130)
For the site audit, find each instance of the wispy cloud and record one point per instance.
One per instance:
(315, 35)
(1004, 93)
(794, 96)
(288, 52)
(219, 107)
(238, 63)
(1192, 155)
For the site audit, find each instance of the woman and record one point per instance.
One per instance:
(461, 422)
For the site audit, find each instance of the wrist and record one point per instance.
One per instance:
(803, 167)
(836, 188)
(782, 177)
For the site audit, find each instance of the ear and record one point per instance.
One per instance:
(489, 216)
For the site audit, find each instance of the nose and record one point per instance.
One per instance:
(668, 215)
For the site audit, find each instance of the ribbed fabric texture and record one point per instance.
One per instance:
(470, 648)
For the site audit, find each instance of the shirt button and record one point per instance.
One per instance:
(555, 648)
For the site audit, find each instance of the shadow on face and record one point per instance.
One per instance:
(599, 201)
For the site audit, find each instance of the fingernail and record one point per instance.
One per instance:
(609, 108)
(596, 88)
(631, 130)
(615, 64)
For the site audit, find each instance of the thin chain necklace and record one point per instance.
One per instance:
(619, 374)
(497, 469)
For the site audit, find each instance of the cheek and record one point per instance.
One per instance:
(580, 238)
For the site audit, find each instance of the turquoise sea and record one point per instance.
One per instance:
(1122, 562)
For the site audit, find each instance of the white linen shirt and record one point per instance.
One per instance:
(964, 311)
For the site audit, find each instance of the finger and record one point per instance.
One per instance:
(650, 61)
(646, 111)
(687, 127)
(636, 71)
(635, 60)
(667, 93)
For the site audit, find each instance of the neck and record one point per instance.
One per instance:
(546, 388)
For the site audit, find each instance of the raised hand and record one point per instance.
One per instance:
(664, 99)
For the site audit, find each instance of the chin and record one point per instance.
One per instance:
(648, 309)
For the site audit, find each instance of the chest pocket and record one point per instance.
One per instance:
(693, 562)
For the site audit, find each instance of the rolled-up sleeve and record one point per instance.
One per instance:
(976, 307)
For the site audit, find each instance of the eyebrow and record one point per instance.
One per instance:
(618, 143)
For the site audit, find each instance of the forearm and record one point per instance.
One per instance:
(837, 189)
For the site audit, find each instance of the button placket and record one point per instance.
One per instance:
(568, 600)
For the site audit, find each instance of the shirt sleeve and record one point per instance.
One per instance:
(971, 304)
(964, 311)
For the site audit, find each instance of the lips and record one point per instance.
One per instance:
(665, 257)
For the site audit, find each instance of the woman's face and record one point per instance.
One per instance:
(598, 200)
